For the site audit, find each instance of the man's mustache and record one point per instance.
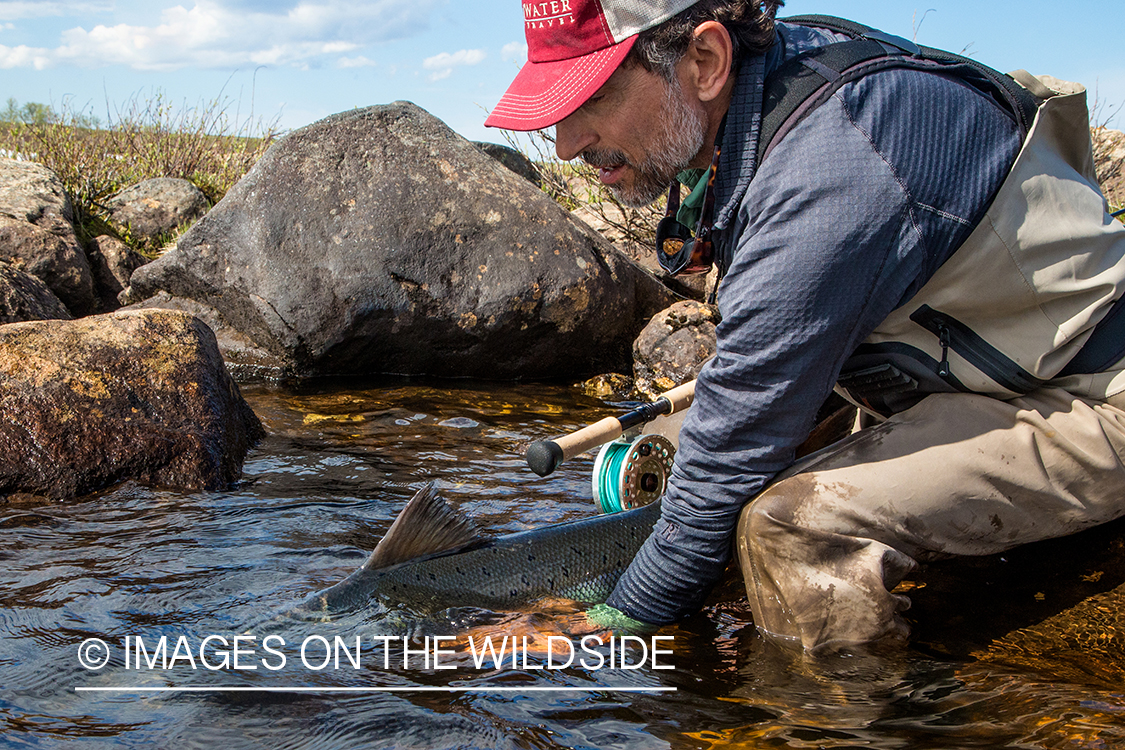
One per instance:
(610, 158)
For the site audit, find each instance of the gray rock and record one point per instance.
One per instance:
(158, 206)
(32, 193)
(246, 361)
(37, 236)
(674, 346)
(513, 160)
(112, 262)
(25, 297)
(140, 395)
(379, 241)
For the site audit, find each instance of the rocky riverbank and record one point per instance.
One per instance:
(373, 242)
(376, 241)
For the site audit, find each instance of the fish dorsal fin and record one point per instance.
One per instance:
(426, 526)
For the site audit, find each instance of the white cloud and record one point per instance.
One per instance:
(358, 61)
(10, 10)
(23, 57)
(516, 51)
(225, 34)
(444, 63)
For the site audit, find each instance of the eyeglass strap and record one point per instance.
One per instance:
(673, 198)
(704, 225)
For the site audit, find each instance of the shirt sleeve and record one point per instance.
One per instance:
(835, 235)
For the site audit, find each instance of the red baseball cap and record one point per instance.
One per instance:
(573, 47)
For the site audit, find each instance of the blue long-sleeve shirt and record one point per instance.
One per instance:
(846, 220)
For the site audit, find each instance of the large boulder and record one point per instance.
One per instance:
(157, 207)
(25, 297)
(379, 241)
(37, 233)
(135, 395)
(513, 160)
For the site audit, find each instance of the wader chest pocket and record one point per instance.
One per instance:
(958, 337)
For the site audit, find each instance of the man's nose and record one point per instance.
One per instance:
(572, 137)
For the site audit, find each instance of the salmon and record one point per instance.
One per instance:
(434, 557)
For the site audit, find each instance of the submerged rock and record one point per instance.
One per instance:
(1085, 643)
(131, 395)
(37, 234)
(379, 241)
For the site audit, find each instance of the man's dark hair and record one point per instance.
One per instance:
(749, 22)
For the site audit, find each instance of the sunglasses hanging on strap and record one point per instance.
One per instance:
(676, 249)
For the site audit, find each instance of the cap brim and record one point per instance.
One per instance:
(545, 93)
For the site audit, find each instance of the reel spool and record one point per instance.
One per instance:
(629, 473)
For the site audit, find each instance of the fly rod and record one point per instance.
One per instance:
(544, 456)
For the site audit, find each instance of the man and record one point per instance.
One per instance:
(911, 237)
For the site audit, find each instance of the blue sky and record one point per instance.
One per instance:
(301, 60)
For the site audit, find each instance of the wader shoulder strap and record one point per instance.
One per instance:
(809, 79)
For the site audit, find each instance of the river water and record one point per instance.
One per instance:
(341, 458)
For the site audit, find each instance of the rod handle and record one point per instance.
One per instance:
(544, 456)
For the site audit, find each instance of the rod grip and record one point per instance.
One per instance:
(544, 456)
(680, 397)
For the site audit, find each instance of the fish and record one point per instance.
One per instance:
(434, 557)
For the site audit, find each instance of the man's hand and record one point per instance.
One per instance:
(555, 617)
(603, 617)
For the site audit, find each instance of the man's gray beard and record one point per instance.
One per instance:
(678, 140)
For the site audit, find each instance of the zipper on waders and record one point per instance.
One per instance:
(943, 338)
(955, 335)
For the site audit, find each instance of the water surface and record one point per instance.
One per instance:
(318, 493)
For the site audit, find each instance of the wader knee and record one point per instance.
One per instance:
(821, 589)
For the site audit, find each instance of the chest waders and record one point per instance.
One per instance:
(1034, 296)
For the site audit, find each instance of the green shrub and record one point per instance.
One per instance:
(146, 138)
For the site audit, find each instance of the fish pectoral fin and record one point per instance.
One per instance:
(426, 526)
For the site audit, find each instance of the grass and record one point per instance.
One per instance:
(204, 144)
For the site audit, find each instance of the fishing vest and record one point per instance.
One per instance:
(1033, 297)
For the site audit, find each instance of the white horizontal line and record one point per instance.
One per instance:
(394, 689)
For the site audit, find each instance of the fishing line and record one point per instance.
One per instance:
(632, 473)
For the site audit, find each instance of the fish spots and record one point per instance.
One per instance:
(996, 522)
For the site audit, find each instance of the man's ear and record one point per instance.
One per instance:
(710, 57)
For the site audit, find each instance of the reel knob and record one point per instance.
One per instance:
(632, 473)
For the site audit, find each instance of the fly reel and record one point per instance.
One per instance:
(632, 471)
